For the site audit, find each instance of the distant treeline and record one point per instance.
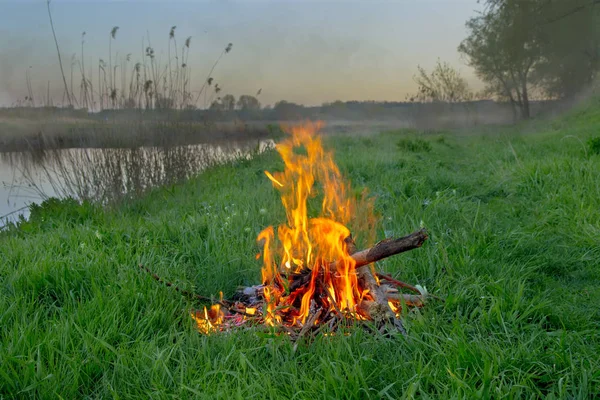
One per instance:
(471, 112)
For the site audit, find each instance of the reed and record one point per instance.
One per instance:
(147, 84)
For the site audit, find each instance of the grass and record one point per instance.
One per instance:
(514, 216)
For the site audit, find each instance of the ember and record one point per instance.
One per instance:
(312, 275)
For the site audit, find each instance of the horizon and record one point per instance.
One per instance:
(304, 52)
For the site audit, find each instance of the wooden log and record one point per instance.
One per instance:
(385, 248)
(377, 292)
(411, 300)
(397, 282)
(379, 309)
(390, 247)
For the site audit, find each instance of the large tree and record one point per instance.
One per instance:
(551, 47)
(503, 49)
(570, 46)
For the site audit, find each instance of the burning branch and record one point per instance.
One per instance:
(377, 307)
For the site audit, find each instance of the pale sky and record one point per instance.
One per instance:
(303, 51)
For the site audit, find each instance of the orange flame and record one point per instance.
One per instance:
(208, 321)
(306, 261)
(304, 243)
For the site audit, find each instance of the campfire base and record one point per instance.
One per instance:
(382, 309)
(378, 311)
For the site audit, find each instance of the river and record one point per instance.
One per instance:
(105, 174)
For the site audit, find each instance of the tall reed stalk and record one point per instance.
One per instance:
(148, 84)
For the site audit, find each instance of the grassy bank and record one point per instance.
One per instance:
(514, 217)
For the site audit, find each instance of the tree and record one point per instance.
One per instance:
(228, 102)
(284, 110)
(247, 102)
(548, 47)
(503, 50)
(570, 45)
(225, 103)
(443, 84)
(216, 105)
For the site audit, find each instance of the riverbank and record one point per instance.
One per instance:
(513, 215)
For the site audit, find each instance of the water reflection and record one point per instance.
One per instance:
(108, 174)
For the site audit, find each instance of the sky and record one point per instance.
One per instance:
(304, 51)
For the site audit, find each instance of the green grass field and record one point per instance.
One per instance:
(514, 218)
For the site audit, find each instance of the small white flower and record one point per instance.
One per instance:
(263, 211)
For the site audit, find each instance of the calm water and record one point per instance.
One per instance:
(15, 193)
(104, 174)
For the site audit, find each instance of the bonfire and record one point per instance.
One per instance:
(313, 277)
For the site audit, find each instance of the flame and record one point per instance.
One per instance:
(208, 321)
(306, 263)
(317, 244)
